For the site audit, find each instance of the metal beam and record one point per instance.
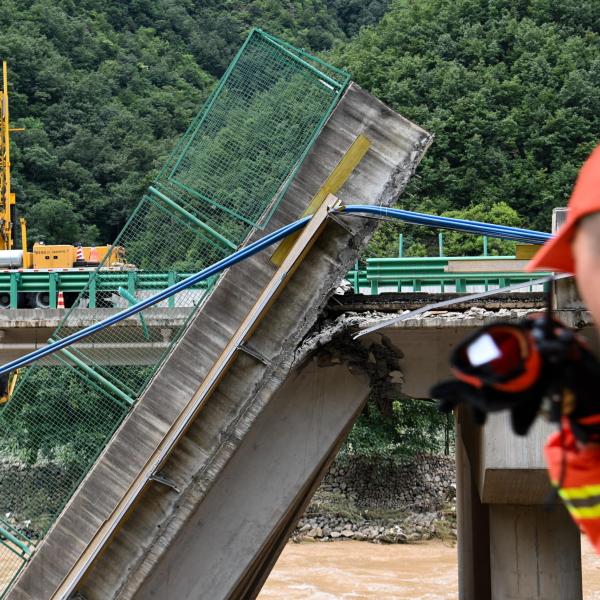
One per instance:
(332, 185)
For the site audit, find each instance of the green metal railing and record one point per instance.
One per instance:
(15, 552)
(412, 274)
(99, 287)
(225, 177)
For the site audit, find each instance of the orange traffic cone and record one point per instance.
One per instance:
(79, 255)
(94, 258)
(60, 301)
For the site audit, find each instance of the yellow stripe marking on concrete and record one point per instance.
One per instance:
(337, 178)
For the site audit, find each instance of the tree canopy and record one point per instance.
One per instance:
(508, 87)
(104, 90)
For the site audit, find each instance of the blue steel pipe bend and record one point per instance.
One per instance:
(500, 231)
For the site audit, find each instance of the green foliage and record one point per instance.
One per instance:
(104, 90)
(500, 213)
(509, 88)
(33, 434)
(56, 222)
(354, 14)
(415, 426)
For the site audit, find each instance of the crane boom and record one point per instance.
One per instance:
(7, 198)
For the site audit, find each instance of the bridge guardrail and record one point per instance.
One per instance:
(96, 284)
(411, 274)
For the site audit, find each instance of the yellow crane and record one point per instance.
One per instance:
(7, 197)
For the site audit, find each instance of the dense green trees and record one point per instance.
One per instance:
(508, 87)
(413, 427)
(104, 89)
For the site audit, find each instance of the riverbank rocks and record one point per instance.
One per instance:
(383, 501)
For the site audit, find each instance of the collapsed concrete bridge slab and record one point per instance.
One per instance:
(81, 552)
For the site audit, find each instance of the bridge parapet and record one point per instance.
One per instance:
(452, 274)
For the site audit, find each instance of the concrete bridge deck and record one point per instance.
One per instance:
(25, 330)
(142, 524)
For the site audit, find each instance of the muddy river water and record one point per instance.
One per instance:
(344, 570)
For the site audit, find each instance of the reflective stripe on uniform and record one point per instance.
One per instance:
(582, 502)
(580, 492)
(591, 512)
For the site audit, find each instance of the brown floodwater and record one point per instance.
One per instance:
(324, 571)
(340, 570)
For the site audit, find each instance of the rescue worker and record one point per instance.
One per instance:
(574, 466)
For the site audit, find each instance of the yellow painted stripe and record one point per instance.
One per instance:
(333, 183)
(580, 493)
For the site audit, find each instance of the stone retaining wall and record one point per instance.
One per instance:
(383, 501)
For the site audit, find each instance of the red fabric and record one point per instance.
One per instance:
(556, 254)
(581, 467)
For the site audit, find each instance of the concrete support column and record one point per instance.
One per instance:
(472, 518)
(510, 545)
(535, 553)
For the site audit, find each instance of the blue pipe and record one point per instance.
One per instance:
(502, 231)
(524, 235)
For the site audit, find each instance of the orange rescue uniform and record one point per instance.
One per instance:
(579, 468)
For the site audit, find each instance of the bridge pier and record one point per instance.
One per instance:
(512, 545)
(535, 553)
(474, 576)
(247, 517)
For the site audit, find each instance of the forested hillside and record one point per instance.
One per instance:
(509, 87)
(104, 88)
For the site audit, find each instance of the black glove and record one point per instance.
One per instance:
(523, 407)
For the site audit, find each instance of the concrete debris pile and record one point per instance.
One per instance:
(383, 501)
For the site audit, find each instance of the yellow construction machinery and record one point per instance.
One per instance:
(7, 198)
(8, 383)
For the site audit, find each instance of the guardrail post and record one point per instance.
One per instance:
(401, 246)
(52, 288)
(441, 244)
(485, 245)
(461, 285)
(171, 281)
(374, 287)
(131, 282)
(15, 278)
(92, 291)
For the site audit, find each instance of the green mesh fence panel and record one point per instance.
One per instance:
(247, 143)
(224, 178)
